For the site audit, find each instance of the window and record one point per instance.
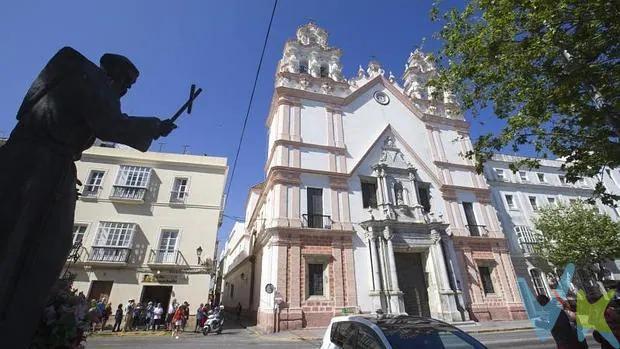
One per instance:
(369, 193)
(500, 174)
(131, 182)
(314, 218)
(425, 197)
(315, 279)
(471, 219)
(526, 238)
(113, 234)
(93, 184)
(510, 201)
(303, 66)
(344, 334)
(537, 281)
(487, 282)
(523, 176)
(562, 179)
(79, 230)
(324, 71)
(179, 190)
(113, 242)
(232, 291)
(551, 200)
(533, 203)
(541, 177)
(167, 246)
(366, 338)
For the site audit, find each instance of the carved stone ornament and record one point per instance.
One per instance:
(381, 97)
(311, 34)
(374, 69)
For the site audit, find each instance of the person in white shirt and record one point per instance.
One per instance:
(157, 314)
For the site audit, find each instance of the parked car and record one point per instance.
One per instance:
(395, 332)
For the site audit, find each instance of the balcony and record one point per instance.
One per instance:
(90, 192)
(163, 259)
(77, 254)
(128, 194)
(317, 221)
(178, 197)
(478, 230)
(101, 255)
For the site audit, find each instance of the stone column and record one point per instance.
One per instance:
(396, 301)
(387, 234)
(439, 262)
(375, 292)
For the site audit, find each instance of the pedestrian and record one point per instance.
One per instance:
(177, 321)
(199, 316)
(564, 335)
(149, 321)
(106, 315)
(239, 308)
(205, 312)
(172, 308)
(93, 315)
(157, 314)
(185, 314)
(129, 316)
(118, 317)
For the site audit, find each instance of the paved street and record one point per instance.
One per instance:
(242, 338)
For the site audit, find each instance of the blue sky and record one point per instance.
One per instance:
(215, 44)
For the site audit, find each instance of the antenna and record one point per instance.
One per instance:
(161, 146)
(185, 146)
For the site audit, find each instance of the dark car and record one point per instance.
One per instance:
(395, 332)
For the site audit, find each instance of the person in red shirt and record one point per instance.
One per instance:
(177, 321)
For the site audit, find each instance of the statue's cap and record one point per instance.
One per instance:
(113, 62)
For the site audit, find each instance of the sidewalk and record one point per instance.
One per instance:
(469, 327)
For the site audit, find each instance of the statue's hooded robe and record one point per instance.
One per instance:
(69, 105)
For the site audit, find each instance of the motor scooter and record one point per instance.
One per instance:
(215, 321)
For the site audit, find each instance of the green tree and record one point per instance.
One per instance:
(548, 68)
(577, 234)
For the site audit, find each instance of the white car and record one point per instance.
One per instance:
(395, 332)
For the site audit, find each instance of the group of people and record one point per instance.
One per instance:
(564, 330)
(138, 316)
(99, 313)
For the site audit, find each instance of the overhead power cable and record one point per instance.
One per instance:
(247, 113)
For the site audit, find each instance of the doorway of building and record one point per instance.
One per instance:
(412, 282)
(156, 294)
(100, 289)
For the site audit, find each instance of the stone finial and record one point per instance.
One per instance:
(360, 72)
(374, 69)
(391, 78)
(311, 34)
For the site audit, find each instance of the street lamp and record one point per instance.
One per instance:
(198, 253)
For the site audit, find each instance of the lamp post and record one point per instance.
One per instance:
(198, 253)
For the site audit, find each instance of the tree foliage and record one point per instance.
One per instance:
(577, 234)
(548, 68)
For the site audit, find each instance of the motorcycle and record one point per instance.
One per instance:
(215, 321)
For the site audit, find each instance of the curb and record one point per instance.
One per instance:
(492, 330)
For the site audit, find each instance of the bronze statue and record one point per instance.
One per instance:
(71, 103)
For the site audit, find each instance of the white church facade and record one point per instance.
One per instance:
(367, 203)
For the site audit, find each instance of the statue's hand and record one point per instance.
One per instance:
(166, 127)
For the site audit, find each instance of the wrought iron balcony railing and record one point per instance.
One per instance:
(91, 191)
(123, 192)
(317, 221)
(178, 197)
(477, 230)
(166, 257)
(109, 254)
